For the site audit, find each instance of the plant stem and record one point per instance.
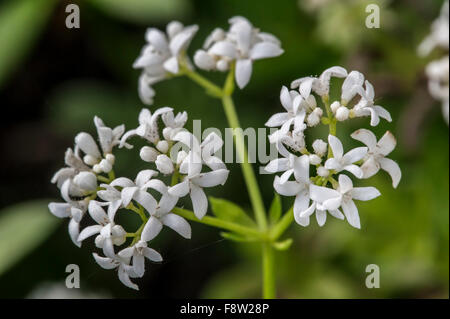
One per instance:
(247, 170)
(282, 225)
(268, 266)
(205, 83)
(219, 223)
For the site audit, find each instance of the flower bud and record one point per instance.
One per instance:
(87, 144)
(320, 147)
(334, 106)
(173, 28)
(162, 146)
(204, 60)
(342, 113)
(97, 169)
(167, 133)
(314, 159)
(105, 166)
(118, 235)
(222, 65)
(311, 101)
(181, 156)
(164, 164)
(313, 119)
(110, 158)
(90, 160)
(318, 111)
(86, 181)
(148, 154)
(218, 34)
(322, 171)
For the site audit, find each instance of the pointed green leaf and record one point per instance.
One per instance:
(226, 210)
(237, 237)
(275, 209)
(22, 228)
(283, 245)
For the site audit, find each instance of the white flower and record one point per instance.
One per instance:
(320, 147)
(108, 137)
(439, 36)
(163, 216)
(125, 271)
(320, 85)
(438, 83)
(343, 197)
(194, 181)
(366, 106)
(148, 154)
(137, 190)
(341, 161)
(375, 158)
(162, 56)
(75, 211)
(299, 166)
(294, 139)
(243, 44)
(138, 252)
(148, 126)
(110, 234)
(352, 85)
(111, 195)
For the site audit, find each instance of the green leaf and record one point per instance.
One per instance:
(275, 209)
(237, 237)
(226, 210)
(22, 228)
(143, 11)
(21, 21)
(283, 245)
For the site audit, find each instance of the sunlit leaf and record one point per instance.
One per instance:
(22, 228)
(229, 211)
(275, 209)
(237, 238)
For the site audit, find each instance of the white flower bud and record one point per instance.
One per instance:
(222, 65)
(105, 166)
(322, 171)
(164, 164)
(118, 235)
(218, 34)
(97, 169)
(314, 159)
(320, 147)
(204, 60)
(318, 111)
(86, 181)
(334, 106)
(87, 144)
(110, 158)
(342, 113)
(148, 154)
(173, 28)
(167, 133)
(311, 101)
(162, 146)
(90, 160)
(313, 119)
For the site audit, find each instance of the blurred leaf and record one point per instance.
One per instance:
(237, 238)
(275, 209)
(21, 21)
(283, 245)
(229, 211)
(144, 11)
(22, 228)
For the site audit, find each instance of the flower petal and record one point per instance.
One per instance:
(105, 262)
(393, 169)
(211, 179)
(264, 50)
(125, 278)
(354, 155)
(366, 137)
(89, 231)
(180, 189)
(355, 170)
(321, 217)
(387, 143)
(146, 200)
(151, 229)
(336, 146)
(152, 254)
(199, 201)
(351, 213)
(277, 119)
(74, 231)
(224, 48)
(243, 72)
(139, 265)
(98, 213)
(178, 224)
(345, 184)
(60, 210)
(288, 188)
(321, 194)
(277, 165)
(365, 193)
(285, 99)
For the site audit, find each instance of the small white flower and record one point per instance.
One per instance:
(148, 154)
(163, 216)
(194, 181)
(137, 190)
(75, 211)
(295, 140)
(366, 107)
(86, 181)
(439, 36)
(138, 252)
(322, 171)
(162, 56)
(352, 86)
(125, 271)
(108, 137)
(375, 158)
(438, 83)
(148, 126)
(294, 115)
(320, 85)
(243, 44)
(343, 197)
(341, 161)
(342, 113)
(109, 234)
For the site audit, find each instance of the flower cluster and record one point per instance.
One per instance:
(164, 55)
(147, 195)
(322, 192)
(438, 70)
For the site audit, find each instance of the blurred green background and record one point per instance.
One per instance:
(53, 80)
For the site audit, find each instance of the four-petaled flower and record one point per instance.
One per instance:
(341, 161)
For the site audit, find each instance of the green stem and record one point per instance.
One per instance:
(219, 223)
(200, 80)
(268, 266)
(247, 170)
(282, 225)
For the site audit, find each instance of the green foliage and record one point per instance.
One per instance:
(23, 227)
(283, 245)
(21, 21)
(229, 211)
(275, 209)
